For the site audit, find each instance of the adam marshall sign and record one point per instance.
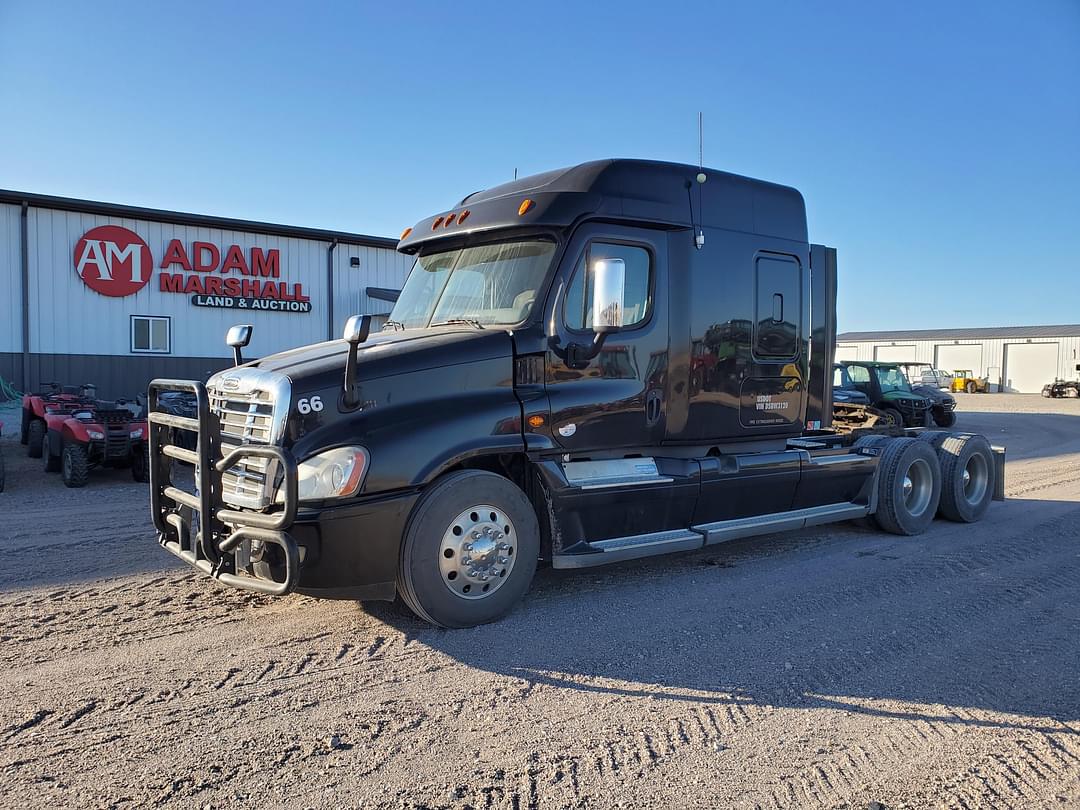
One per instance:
(114, 261)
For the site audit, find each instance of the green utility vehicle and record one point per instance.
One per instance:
(888, 389)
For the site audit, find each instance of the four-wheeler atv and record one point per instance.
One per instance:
(1061, 388)
(943, 404)
(98, 434)
(888, 391)
(54, 399)
(965, 381)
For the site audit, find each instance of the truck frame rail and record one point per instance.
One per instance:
(200, 528)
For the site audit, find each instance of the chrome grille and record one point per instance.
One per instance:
(251, 407)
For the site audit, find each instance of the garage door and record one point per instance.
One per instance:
(949, 357)
(895, 354)
(1029, 366)
(847, 353)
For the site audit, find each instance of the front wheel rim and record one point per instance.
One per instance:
(477, 552)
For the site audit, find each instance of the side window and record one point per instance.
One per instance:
(859, 375)
(838, 378)
(779, 303)
(636, 293)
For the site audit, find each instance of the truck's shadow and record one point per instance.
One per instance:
(860, 619)
(1026, 435)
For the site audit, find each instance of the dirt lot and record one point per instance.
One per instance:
(834, 667)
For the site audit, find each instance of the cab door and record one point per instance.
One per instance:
(617, 399)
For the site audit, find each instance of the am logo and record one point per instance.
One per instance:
(113, 261)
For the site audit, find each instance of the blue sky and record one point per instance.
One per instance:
(937, 144)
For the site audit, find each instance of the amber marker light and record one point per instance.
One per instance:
(436, 223)
(449, 220)
(463, 216)
(536, 421)
(526, 205)
(405, 233)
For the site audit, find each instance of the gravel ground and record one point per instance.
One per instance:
(834, 667)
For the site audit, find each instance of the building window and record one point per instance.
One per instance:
(151, 334)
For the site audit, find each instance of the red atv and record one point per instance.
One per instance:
(55, 399)
(111, 434)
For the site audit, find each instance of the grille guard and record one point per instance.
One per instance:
(213, 546)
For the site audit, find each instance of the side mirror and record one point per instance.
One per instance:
(609, 285)
(238, 337)
(357, 329)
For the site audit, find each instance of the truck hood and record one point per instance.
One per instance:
(389, 353)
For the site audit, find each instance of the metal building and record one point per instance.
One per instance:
(117, 295)
(1017, 359)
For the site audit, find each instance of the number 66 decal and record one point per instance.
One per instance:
(306, 406)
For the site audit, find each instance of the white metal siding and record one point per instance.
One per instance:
(378, 268)
(1029, 366)
(10, 278)
(67, 317)
(847, 352)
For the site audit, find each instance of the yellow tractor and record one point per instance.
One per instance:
(965, 381)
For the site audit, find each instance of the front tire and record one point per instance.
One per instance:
(140, 464)
(35, 438)
(895, 417)
(909, 486)
(972, 387)
(75, 466)
(470, 550)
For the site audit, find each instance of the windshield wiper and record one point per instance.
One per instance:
(398, 326)
(468, 321)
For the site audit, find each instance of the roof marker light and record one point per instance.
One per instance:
(436, 223)
(449, 220)
(405, 233)
(463, 216)
(525, 206)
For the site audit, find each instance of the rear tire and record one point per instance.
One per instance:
(944, 418)
(971, 387)
(35, 438)
(75, 466)
(909, 486)
(435, 576)
(968, 477)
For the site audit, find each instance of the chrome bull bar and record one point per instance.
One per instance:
(198, 528)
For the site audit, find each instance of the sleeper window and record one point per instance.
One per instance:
(636, 292)
(779, 301)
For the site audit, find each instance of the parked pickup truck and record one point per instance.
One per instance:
(616, 360)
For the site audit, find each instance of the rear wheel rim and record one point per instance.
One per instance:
(918, 487)
(976, 478)
(477, 552)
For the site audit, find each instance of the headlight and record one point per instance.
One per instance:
(336, 473)
(95, 434)
(136, 434)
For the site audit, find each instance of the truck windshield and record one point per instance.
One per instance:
(485, 284)
(891, 379)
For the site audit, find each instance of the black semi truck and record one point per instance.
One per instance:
(616, 360)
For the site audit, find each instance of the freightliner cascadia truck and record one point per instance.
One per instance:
(616, 360)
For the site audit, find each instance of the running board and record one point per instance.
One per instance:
(602, 552)
(724, 530)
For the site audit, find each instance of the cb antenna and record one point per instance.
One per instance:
(699, 237)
